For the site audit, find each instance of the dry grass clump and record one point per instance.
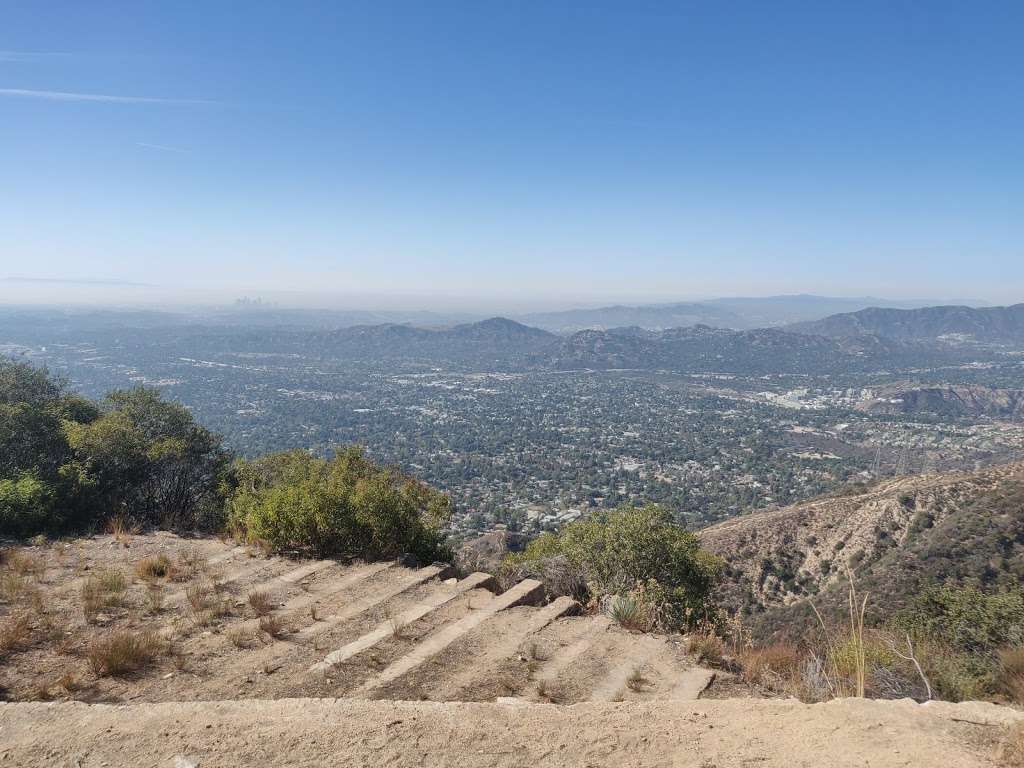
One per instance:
(636, 681)
(15, 632)
(707, 647)
(549, 691)
(24, 564)
(153, 568)
(154, 598)
(205, 602)
(240, 637)
(122, 528)
(1010, 678)
(188, 565)
(261, 603)
(70, 682)
(1011, 751)
(397, 625)
(15, 588)
(123, 652)
(273, 625)
(103, 589)
(776, 667)
(199, 596)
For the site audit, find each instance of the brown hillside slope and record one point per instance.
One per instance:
(895, 537)
(321, 732)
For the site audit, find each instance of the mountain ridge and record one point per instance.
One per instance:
(940, 324)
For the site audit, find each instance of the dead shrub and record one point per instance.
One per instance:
(199, 596)
(636, 681)
(261, 603)
(123, 652)
(775, 666)
(153, 568)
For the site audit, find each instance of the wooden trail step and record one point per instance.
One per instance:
(524, 591)
(416, 612)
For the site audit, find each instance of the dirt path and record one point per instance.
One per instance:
(339, 732)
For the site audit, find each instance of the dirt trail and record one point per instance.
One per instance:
(346, 732)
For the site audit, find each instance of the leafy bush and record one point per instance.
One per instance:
(26, 505)
(343, 506)
(633, 551)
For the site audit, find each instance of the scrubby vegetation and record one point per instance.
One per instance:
(135, 460)
(954, 643)
(648, 570)
(345, 505)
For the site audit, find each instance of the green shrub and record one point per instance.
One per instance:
(343, 506)
(26, 505)
(633, 551)
(961, 631)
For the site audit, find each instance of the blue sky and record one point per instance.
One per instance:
(543, 149)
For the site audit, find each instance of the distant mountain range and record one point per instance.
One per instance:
(705, 349)
(946, 324)
(739, 313)
(503, 344)
(871, 339)
(652, 317)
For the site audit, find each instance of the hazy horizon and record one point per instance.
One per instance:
(117, 295)
(523, 155)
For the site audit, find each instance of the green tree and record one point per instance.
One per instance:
(147, 458)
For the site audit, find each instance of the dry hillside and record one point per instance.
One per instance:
(896, 537)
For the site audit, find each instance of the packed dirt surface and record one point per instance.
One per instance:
(351, 733)
(242, 659)
(226, 622)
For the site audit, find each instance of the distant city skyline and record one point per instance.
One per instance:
(532, 155)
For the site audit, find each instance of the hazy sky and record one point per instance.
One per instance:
(538, 148)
